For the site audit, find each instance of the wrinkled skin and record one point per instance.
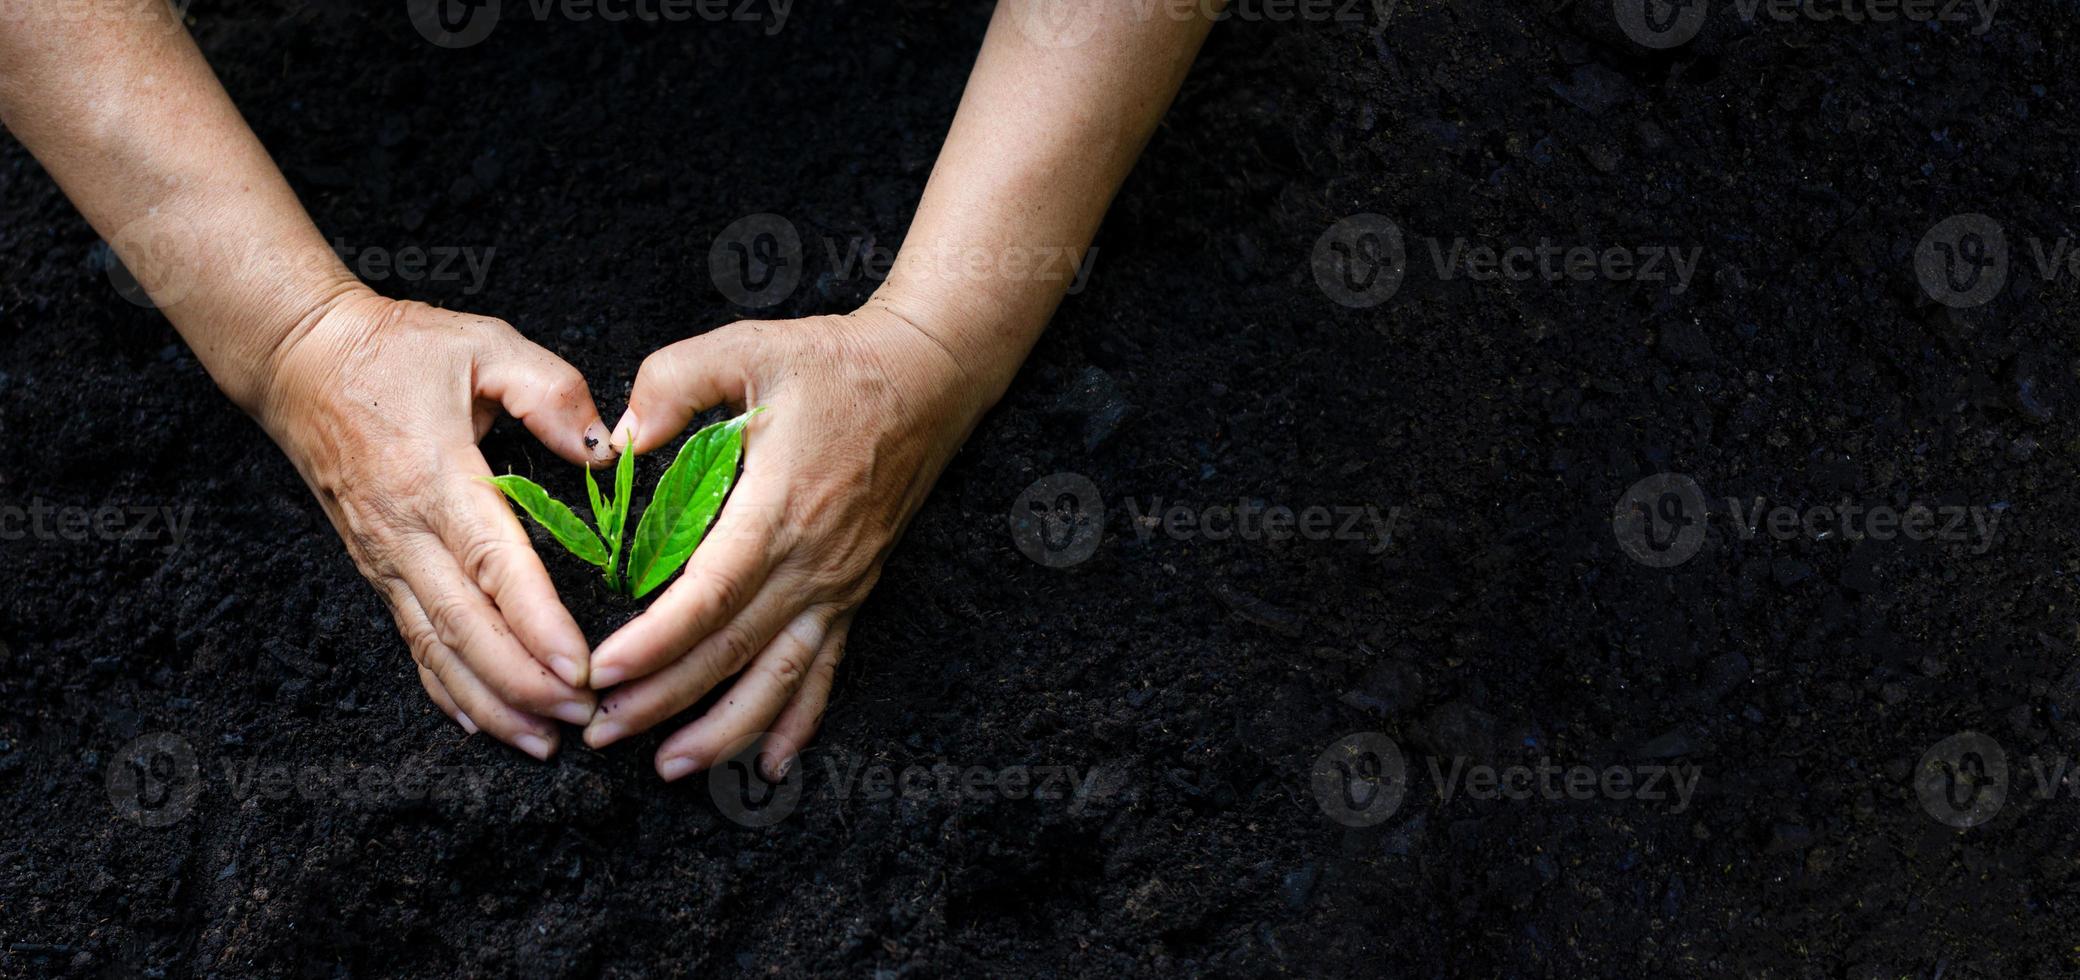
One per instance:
(863, 412)
(380, 404)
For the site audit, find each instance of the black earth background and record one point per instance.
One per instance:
(1197, 680)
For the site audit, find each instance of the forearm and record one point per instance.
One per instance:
(127, 116)
(1042, 140)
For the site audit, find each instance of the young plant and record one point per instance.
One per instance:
(677, 517)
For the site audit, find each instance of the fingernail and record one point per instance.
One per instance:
(567, 669)
(534, 745)
(575, 712)
(607, 677)
(604, 734)
(467, 725)
(596, 443)
(779, 772)
(625, 430)
(675, 767)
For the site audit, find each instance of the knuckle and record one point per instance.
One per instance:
(483, 557)
(661, 366)
(565, 386)
(788, 669)
(737, 649)
(451, 622)
(718, 593)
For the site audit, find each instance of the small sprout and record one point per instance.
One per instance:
(685, 502)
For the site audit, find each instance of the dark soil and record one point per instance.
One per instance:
(1198, 678)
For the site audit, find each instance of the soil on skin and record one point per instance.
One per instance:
(1195, 681)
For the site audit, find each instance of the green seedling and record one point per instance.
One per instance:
(684, 504)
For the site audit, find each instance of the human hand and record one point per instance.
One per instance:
(865, 411)
(380, 405)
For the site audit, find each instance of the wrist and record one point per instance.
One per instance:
(302, 335)
(986, 343)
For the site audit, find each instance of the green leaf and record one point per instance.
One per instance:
(614, 524)
(551, 513)
(599, 507)
(687, 498)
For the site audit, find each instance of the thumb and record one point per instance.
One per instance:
(550, 397)
(675, 384)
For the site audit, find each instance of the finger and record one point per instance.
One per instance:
(479, 528)
(474, 701)
(445, 701)
(678, 382)
(731, 566)
(802, 716)
(465, 621)
(754, 699)
(641, 704)
(547, 395)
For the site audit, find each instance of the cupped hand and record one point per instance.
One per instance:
(380, 405)
(862, 413)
